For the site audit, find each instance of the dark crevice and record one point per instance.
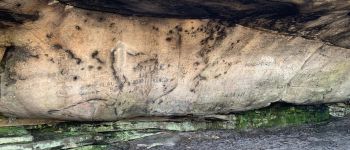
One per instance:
(8, 16)
(194, 9)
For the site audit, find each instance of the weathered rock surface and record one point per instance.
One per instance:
(79, 64)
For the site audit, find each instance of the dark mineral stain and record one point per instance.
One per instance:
(114, 71)
(168, 39)
(12, 56)
(170, 31)
(99, 68)
(57, 46)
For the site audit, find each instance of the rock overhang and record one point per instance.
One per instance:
(95, 65)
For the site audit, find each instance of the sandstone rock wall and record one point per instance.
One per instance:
(78, 64)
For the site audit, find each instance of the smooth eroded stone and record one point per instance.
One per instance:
(76, 64)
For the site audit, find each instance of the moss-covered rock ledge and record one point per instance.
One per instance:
(103, 135)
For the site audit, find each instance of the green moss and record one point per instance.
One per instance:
(12, 131)
(282, 115)
(92, 147)
(130, 135)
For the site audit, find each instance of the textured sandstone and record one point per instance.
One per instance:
(84, 65)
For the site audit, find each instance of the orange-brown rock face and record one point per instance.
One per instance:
(77, 64)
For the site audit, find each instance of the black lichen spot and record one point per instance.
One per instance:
(135, 54)
(51, 59)
(77, 27)
(94, 55)
(69, 52)
(178, 28)
(57, 46)
(35, 56)
(85, 20)
(18, 5)
(90, 67)
(50, 112)
(111, 25)
(170, 31)
(82, 69)
(72, 56)
(101, 19)
(168, 39)
(49, 35)
(99, 68)
(192, 90)
(217, 76)
(62, 72)
(75, 78)
(155, 28)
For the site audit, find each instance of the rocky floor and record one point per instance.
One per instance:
(280, 126)
(334, 135)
